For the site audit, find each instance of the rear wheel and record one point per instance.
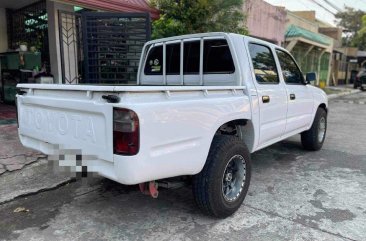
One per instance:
(313, 139)
(220, 188)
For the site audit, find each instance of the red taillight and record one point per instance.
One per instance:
(126, 136)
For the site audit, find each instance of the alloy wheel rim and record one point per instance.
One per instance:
(322, 127)
(233, 178)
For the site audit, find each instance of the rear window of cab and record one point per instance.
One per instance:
(217, 58)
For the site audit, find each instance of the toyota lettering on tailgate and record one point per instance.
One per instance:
(79, 126)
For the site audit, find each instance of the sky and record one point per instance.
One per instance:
(322, 13)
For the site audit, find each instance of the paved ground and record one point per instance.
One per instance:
(13, 156)
(294, 195)
(7, 114)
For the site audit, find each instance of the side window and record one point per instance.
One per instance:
(290, 71)
(217, 57)
(173, 59)
(264, 64)
(154, 61)
(191, 62)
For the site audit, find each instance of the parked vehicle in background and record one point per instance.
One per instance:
(203, 103)
(360, 81)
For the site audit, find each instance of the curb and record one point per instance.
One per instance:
(350, 92)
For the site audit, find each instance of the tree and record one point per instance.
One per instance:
(351, 20)
(179, 17)
(360, 39)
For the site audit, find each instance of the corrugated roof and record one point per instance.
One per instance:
(296, 31)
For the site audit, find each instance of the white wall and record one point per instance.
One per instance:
(53, 37)
(3, 31)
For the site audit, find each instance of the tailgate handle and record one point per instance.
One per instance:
(111, 98)
(21, 92)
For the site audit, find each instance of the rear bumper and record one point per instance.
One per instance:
(128, 170)
(131, 170)
(118, 171)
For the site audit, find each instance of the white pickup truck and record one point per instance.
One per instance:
(201, 105)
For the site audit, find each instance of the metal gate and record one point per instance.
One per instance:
(71, 47)
(102, 48)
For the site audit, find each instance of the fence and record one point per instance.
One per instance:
(102, 48)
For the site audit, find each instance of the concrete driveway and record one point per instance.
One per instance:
(294, 195)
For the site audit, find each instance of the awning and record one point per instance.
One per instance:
(116, 6)
(295, 31)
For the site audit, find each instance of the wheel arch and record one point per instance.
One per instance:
(323, 106)
(242, 128)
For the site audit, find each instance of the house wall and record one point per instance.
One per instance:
(294, 19)
(308, 15)
(265, 21)
(3, 31)
(334, 33)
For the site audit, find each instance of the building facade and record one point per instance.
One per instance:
(312, 42)
(71, 41)
(311, 49)
(265, 21)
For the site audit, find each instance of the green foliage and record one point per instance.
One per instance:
(360, 38)
(179, 17)
(351, 21)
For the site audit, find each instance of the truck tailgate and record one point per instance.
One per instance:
(52, 120)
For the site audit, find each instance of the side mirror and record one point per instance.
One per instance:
(310, 78)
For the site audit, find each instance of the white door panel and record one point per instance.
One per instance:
(300, 96)
(299, 109)
(271, 93)
(273, 113)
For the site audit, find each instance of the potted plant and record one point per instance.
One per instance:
(36, 45)
(23, 46)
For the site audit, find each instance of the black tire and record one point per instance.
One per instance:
(208, 186)
(310, 139)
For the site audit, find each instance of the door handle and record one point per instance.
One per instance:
(265, 99)
(292, 96)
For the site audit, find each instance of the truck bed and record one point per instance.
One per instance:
(177, 124)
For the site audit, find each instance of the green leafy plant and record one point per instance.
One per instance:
(359, 40)
(22, 43)
(179, 17)
(352, 22)
(38, 41)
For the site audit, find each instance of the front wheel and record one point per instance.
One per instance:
(313, 139)
(220, 188)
